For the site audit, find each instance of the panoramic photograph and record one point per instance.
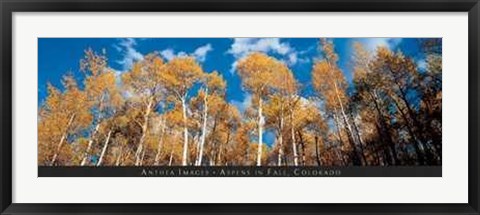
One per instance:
(239, 102)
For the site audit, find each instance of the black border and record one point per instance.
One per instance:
(239, 171)
(10, 6)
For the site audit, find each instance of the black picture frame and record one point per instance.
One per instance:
(8, 7)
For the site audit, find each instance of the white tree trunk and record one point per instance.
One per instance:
(204, 128)
(104, 150)
(345, 119)
(143, 156)
(95, 131)
(171, 158)
(185, 132)
(294, 144)
(260, 132)
(89, 146)
(197, 147)
(280, 142)
(280, 151)
(119, 156)
(62, 139)
(138, 153)
(160, 143)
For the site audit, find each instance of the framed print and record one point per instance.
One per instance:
(198, 107)
(130, 115)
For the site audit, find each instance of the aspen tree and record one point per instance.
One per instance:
(178, 76)
(258, 72)
(144, 88)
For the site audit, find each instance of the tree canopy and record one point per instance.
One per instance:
(166, 112)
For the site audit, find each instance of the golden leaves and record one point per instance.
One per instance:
(328, 50)
(263, 74)
(93, 63)
(143, 77)
(215, 82)
(147, 101)
(180, 74)
(330, 83)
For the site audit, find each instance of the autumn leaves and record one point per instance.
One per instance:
(266, 77)
(174, 113)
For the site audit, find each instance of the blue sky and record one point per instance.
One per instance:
(59, 56)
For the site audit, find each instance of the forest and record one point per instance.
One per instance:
(173, 113)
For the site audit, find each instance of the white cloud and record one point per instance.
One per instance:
(293, 58)
(241, 47)
(168, 54)
(243, 105)
(200, 53)
(373, 43)
(304, 101)
(117, 72)
(130, 54)
(422, 64)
